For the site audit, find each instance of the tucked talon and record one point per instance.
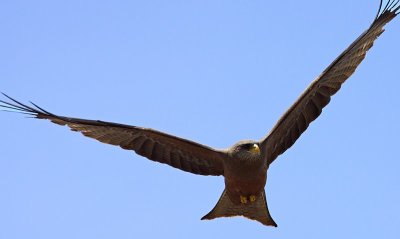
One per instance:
(252, 198)
(243, 199)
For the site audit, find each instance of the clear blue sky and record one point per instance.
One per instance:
(186, 67)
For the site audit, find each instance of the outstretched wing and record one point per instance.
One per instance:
(310, 104)
(157, 146)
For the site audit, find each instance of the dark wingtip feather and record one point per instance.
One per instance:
(13, 111)
(18, 107)
(392, 6)
(41, 109)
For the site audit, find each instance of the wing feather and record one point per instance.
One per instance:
(310, 104)
(177, 152)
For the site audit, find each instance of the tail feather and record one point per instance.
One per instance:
(257, 210)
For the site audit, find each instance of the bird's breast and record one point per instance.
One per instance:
(245, 184)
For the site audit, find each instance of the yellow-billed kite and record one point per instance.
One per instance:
(245, 164)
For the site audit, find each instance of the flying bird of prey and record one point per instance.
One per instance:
(244, 165)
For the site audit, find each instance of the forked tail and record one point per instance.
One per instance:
(257, 210)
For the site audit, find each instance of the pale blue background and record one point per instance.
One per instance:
(186, 67)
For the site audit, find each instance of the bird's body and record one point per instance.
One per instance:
(238, 184)
(245, 164)
(244, 174)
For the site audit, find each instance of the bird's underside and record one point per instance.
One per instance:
(237, 199)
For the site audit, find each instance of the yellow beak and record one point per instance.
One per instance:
(255, 149)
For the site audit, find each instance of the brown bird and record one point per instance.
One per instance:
(245, 164)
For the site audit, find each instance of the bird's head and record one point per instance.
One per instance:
(246, 149)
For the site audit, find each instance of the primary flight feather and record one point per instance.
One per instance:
(245, 164)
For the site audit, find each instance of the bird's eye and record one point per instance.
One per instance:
(247, 146)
